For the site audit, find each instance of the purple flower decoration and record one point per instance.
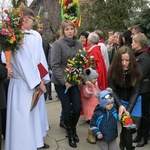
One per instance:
(7, 20)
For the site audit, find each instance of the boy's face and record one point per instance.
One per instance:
(109, 106)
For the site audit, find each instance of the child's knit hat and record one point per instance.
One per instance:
(91, 74)
(105, 97)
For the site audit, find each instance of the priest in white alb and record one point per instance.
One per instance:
(25, 128)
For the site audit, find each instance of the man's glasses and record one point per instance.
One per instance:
(32, 19)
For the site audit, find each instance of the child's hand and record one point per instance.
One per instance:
(99, 136)
(88, 83)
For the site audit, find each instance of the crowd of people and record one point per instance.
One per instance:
(121, 63)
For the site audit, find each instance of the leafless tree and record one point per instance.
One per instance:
(50, 15)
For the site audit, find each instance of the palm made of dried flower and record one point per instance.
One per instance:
(12, 31)
(74, 71)
(70, 10)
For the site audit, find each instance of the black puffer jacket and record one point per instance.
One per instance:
(143, 58)
(125, 91)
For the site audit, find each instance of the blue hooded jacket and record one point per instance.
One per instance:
(104, 122)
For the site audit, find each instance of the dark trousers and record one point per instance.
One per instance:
(143, 130)
(47, 88)
(71, 104)
(4, 111)
(3, 117)
(0, 130)
(49, 91)
(62, 116)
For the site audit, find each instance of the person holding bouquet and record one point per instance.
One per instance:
(62, 50)
(25, 81)
(125, 80)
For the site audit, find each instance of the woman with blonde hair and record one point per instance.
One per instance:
(62, 50)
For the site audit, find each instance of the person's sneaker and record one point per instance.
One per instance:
(62, 124)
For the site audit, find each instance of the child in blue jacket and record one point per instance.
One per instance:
(104, 122)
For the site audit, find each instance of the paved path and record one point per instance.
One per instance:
(56, 136)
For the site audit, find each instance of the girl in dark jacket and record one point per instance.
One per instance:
(125, 80)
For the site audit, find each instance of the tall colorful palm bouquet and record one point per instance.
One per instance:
(74, 71)
(70, 10)
(12, 30)
(37, 19)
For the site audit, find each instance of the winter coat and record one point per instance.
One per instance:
(61, 51)
(125, 91)
(89, 101)
(104, 122)
(143, 58)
